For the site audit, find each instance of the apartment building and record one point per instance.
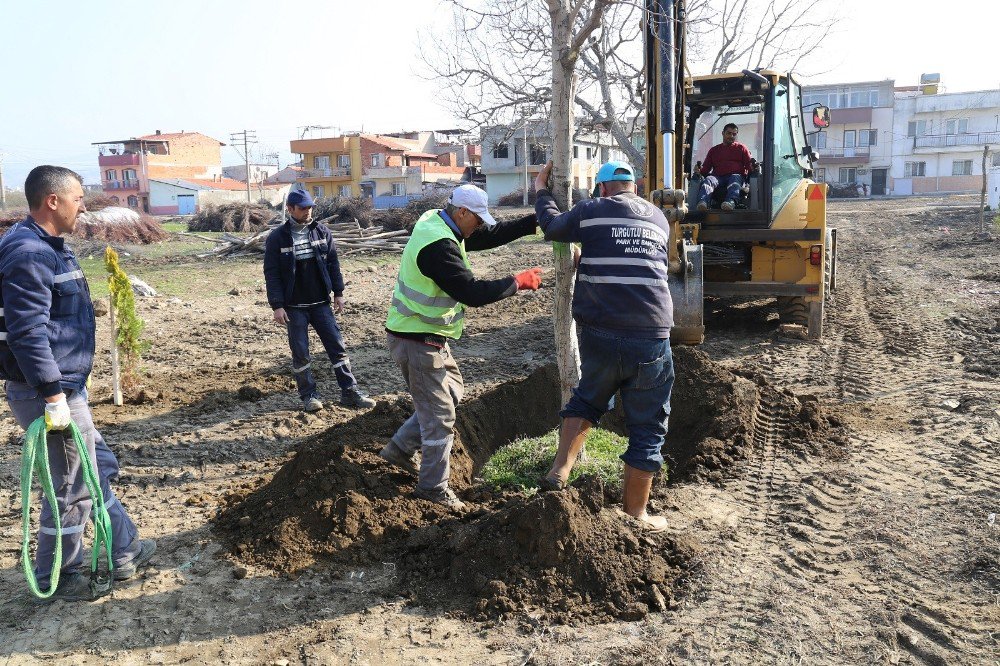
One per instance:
(511, 151)
(900, 140)
(940, 137)
(857, 146)
(127, 165)
(389, 170)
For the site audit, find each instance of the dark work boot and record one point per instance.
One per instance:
(355, 397)
(147, 547)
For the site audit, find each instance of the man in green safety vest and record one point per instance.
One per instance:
(435, 286)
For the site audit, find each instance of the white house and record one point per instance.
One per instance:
(180, 196)
(505, 148)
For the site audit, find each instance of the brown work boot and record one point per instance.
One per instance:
(572, 435)
(635, 496)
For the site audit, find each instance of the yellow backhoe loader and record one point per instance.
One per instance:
(773, 239)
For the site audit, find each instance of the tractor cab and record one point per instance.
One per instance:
(766, 108)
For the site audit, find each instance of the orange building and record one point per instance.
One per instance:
(127, 165)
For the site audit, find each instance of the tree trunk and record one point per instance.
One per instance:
(563, 94)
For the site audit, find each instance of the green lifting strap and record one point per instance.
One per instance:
(35, 460)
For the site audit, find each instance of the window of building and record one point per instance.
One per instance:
(957, 126)
(848, 174)
(321, 162)
(961, 168)
(378, 160)
(868, 137)
(345, 190)
(344, 161)
(133, 201)
(821, 175)
(996, 159)
(110, 174)
(914, 169)
(576, 152)
(317, 191)
(917, 128)
(589, 152)
(501, 151)
(128, 175)
(537, 154)
(819, 140)
(398, 189)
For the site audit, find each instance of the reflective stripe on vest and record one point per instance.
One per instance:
(419, 305)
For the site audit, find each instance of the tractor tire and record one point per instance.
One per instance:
(793, 310)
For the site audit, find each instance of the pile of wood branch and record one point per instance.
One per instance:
(350, 238)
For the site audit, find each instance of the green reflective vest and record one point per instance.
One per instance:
(419, 305)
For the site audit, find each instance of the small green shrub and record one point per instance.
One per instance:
(521, 463)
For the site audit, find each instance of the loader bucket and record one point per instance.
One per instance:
(687, 290)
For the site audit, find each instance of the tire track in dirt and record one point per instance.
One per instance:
(884, 360)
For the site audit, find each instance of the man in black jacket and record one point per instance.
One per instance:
(435, 285)
(301, 269)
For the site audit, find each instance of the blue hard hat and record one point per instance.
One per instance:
(300, 198)
(607, 172)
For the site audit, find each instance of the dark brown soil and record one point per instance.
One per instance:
(568, 555)
(337, 500)
(560, 557)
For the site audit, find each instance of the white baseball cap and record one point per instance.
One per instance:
(475, 199)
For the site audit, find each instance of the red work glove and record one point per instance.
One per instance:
(529, 279)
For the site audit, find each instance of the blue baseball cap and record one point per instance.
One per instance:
(607, 172)
(300, 198)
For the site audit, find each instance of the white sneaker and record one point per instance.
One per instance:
(702, 205)
(312, 405)
(728, 205)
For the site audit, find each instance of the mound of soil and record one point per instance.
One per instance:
(563, 556)
(717, 418)
(338, 500)
(104, 225)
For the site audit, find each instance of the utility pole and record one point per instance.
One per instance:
(982, 196)
(247, 137)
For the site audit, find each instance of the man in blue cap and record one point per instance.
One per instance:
(301, 269)
(623, 311)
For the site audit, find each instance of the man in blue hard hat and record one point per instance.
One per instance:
(623, 311)
(301, 269)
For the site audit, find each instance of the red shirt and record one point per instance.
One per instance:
(726, 160)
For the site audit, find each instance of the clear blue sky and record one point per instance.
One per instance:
(79, 72)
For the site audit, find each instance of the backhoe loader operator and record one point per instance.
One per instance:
(726, 165)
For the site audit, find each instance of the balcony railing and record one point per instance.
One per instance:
(830, 153)
(326, 173)
(121, 185)
(948, 140)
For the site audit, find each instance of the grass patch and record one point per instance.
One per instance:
(175, 226)
(521, 463)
